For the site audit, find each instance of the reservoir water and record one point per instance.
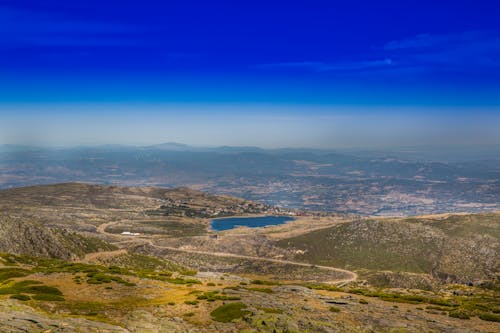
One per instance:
(251, 222)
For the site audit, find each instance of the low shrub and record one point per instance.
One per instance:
(459, 314)
(48, 297)
(20, 297)
(229, 312)
(490, 317)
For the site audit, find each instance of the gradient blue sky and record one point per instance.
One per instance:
(268, 73)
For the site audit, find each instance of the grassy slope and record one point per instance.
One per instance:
(456, 248)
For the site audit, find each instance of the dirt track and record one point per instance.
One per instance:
(102, 229)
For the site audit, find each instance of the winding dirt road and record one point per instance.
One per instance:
(353, 276)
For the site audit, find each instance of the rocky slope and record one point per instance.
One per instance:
(30, 238)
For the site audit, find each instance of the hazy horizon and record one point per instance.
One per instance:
(266, 126)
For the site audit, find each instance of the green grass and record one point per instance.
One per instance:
(402, 298)
(191, 302)
(8, 259)
(459, 314)
(265, 283)
(437, 308)
(211, 296)
(261, 290)
(180, 280)
(35, 289)
(100, 278)
(48, 297)
(490, 317)
(374, 245)
(20, 297)
(142, 266)
(334, 309)
(83, 308)
(12, 272)
(409, 245)
(229, 312)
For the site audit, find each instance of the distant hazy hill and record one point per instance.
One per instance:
(459, 248)
(362, 182)
(102, 196)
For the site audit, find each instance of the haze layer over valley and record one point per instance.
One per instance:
(394, 183)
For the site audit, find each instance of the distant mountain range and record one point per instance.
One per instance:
(407, 181)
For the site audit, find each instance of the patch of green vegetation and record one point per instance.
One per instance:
(437, 308)
(191, 302)
(48, 297)
(41, 289)
(478, 304)
(363, 301)
(211, 296)
(180, 280)
(490, 317)
(20, 297)
(265, 283)
(27, 286)
(441, 302)
(100, 278)
(334, 309)
(211, 284)
(261, 290)
(49, 265)
(8, 259)
(84, 308)
(12, 272)
(459, 314)
(171, 227)
(392, 297)
(36, 289)
(383, 245)
(228, 312)
(408, 245)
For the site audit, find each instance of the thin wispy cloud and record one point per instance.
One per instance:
(466, 51)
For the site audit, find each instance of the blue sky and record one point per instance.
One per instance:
(308, 73)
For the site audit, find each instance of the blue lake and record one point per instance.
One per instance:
(251, 222)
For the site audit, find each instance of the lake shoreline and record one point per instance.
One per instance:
(228, 223)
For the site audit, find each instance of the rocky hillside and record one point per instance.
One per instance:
(30, 238)
(457, 248)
